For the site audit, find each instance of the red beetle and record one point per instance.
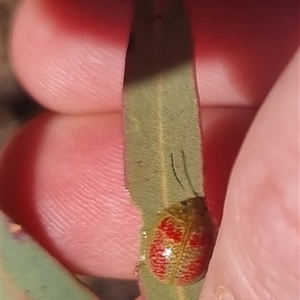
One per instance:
(182, 243)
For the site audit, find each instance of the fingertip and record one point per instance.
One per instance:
(241, 48)
(63, 181)
(70, 55)
(261, 215)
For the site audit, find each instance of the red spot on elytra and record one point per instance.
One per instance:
(158, 262)
(170, 230)
(197, 240)
(192, 271)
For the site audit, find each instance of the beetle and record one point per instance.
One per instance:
(181, 242)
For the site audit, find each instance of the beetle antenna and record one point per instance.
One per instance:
(174, 171)
(187, 174)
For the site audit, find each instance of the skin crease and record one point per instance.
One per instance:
(62, 175)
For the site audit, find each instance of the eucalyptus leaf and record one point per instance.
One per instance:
(163, 155)
(29, 272)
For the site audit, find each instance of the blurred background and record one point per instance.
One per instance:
(16, 105)
(16, 108)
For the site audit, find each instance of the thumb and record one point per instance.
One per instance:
(257, 247)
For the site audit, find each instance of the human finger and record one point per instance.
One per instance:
(70, 55)
(257, 249)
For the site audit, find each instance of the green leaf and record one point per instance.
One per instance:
(29, 272)
(163, 155)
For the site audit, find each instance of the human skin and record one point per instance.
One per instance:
(62, 174)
